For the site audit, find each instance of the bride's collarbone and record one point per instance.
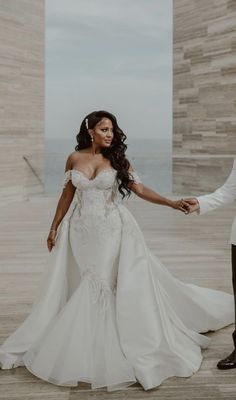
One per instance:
(91, 172)
(88, 168)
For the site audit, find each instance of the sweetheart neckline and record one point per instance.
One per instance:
(90, 180)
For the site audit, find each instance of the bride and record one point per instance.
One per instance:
(107, 311)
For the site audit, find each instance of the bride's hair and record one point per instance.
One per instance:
(115, 152)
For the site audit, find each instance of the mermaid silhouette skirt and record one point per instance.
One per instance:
(107, 311)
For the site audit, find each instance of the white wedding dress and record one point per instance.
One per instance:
(107, 311)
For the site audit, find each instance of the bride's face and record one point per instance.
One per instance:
(103, 133)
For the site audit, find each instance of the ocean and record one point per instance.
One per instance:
(152, 159)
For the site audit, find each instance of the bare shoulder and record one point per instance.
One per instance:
(76, 157)
(71, 159)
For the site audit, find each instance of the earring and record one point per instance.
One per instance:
(91, 138)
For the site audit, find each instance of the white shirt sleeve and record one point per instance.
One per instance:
(223, 195)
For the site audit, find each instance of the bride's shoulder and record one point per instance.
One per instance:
(71, 159)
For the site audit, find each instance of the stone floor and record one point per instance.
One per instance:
(195, 249)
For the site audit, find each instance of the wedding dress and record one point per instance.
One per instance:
(107, 311)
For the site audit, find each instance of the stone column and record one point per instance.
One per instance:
(204, 95)
(22, 98)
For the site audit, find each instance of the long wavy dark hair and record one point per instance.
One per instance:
(115, 152)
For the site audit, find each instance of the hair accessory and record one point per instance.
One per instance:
(86, 122)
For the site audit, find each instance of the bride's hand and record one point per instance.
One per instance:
(51, 240)
(181, 205)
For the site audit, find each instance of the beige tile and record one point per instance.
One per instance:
(195, 249)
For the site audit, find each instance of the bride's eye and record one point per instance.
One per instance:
(105, 129)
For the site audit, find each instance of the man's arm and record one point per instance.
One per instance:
(223, 195)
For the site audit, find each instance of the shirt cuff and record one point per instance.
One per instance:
(203, 205)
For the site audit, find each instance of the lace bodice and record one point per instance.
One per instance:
(97, 195)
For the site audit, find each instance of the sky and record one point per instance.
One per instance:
(113, 55)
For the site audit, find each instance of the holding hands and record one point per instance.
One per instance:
(193, 204)
(181, 205)
(188, 205)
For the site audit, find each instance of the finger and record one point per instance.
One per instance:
(182, 209)
(192, 210)
(192, 201)
(189, 199)
(186, 207)
(185, 203)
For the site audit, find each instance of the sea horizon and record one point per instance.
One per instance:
(150, 157)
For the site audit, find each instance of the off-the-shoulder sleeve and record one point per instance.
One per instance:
(134, 176)
(66, 178)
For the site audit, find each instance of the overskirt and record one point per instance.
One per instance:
(152, 327)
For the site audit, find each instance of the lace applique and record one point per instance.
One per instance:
(105, 225)
(66, 178)
(135, 177)
(101, 289)
(97, 201)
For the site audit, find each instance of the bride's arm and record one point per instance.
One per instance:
(62, 206)
(148, 194)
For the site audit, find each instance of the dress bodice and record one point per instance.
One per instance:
(97, 195)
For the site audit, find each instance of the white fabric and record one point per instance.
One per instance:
(107, 311)
(224, 195)
(135, 177)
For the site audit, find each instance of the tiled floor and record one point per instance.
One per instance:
(195, 249)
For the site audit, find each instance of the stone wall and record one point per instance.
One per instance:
(22, 98)
(204, 94)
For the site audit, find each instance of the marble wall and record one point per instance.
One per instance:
(22, 98)
(204, 93)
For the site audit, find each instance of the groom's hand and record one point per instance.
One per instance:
(181, 205)
(193, 204)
